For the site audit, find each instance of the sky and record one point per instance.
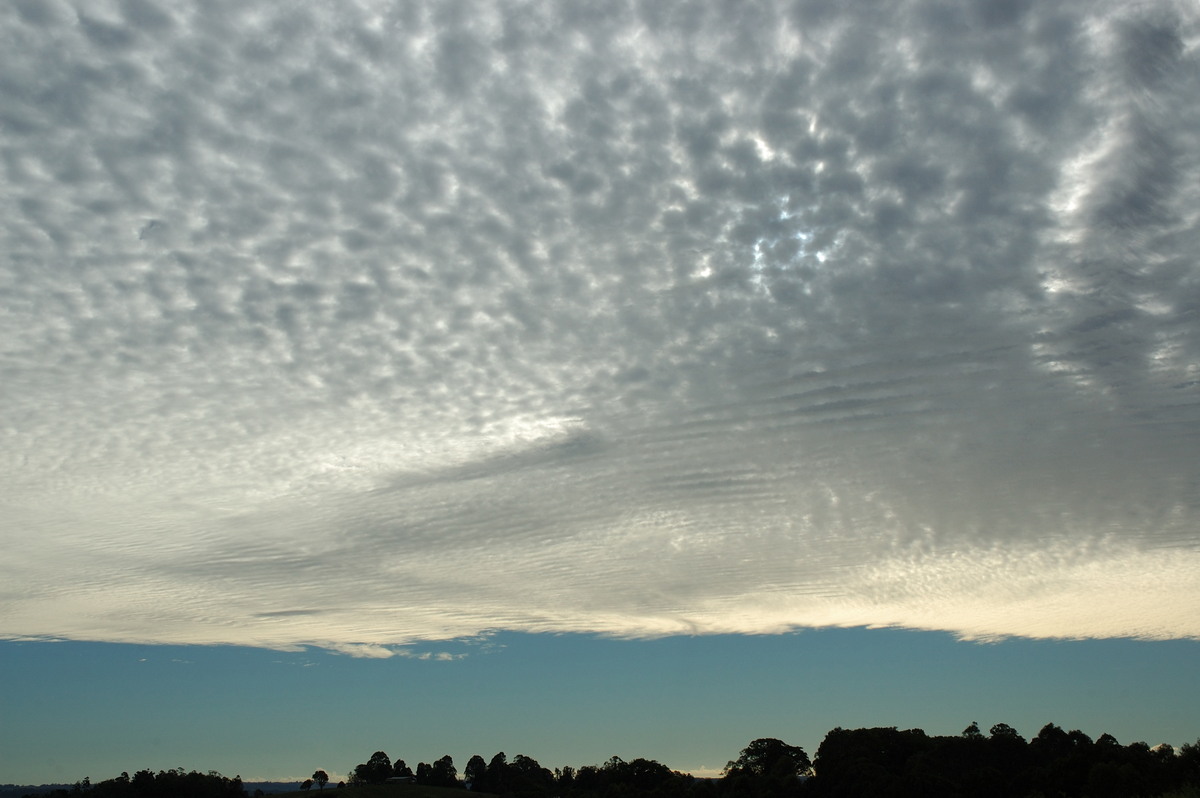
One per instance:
(690, 702)
(691, 337)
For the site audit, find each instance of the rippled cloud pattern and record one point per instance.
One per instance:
(358, 324)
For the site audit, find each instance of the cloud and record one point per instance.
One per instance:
(357, 325)
(363, 650)
(371, 651)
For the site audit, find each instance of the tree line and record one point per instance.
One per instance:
(849, 763)
(147, 784)
(1054, 764)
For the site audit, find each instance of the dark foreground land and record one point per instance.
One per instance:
(850, 763)
(384, 791)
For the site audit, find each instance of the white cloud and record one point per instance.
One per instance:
(353, 325)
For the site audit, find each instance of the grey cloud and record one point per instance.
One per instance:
(630, 318)
(1151, 49)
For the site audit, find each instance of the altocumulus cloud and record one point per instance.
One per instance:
(358, 324)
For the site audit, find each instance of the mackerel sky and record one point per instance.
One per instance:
(360, 325)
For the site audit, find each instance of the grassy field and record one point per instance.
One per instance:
(380, 791)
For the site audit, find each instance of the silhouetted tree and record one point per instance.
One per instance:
(769, 756)
(565, 777)
(475, 773)
(443, 773)
(375, 770)
(527, 777)
(1187, 763)
(868, 762)
(321, 778)
(766, 768)
(496, 776)
(1002, 731)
